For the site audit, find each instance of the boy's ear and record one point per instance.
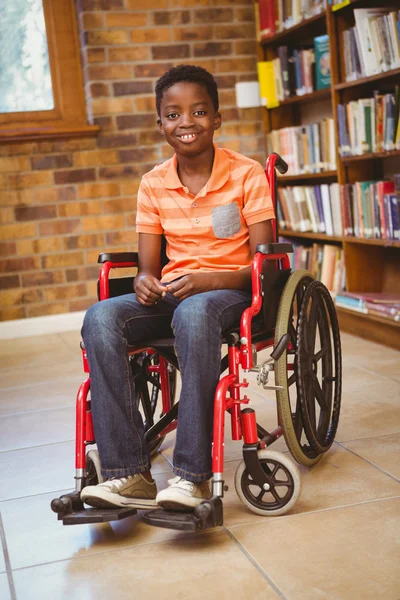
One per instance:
(159, 126)
(217, 120)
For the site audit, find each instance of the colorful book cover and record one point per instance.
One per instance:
(266, 78)
(322, 62)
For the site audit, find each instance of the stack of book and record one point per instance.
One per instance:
(371, 209)
(384, 305)
(324, 261)
(373, 45)
(370, 124)
(273, 16)
(311, 208)
(306, 148)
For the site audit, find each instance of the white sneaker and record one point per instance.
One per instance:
(182, 494)
(133, 490)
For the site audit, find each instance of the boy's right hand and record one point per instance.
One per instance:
(148, 289)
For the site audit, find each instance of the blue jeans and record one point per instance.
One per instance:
(197, 324)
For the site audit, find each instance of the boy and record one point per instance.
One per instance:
(213, 206)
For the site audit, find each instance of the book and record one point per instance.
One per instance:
(322, 62)
(266, 78)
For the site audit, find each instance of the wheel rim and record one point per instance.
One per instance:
(91, 473)
(281, 485)
(318, 376)
(289, 403)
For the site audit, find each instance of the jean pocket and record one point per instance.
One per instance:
(226, 220)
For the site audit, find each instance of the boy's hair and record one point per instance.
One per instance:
(187, 74)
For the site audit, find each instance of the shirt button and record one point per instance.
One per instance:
(194, 204)
(197, 220)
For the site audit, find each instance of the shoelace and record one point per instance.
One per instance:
(183, 484)
(115, 484)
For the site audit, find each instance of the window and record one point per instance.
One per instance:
(41, 84)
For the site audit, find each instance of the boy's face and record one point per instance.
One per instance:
(188, 118)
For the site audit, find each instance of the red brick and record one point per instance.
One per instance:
(152, 70)
(9, 281)
(128, 54)
(105, 123)
(108, 72)
(75, 176)
(42, 278)
(171, 17)
(121, 237)
(59, 227)
(99, 4)
(106, 38)
(68, 259)
(246, 47)
(151, 35)
(95, 55)
(98, 190)
(40, 310)
(244, 13)
(97, 90)
(171, 51)
(84, 241)
(126, 19)
(213, 15)
(117, 206)
(117, 140)
(195, 32)
(53, 294)
(83, 273)
(8, 248)
(225, 81)
(92, 20)
(127, 88)
(225, 32)
(213, 49)
(136, 121)
(81, 304)
(149, 137)
(137, 155)
(78, 209)
(35, 213)
(56, 161)
(19, 264)
(121, 172)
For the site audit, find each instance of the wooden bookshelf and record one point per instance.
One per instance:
(372, 265)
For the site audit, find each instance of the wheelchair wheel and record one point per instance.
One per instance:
(288, 398)
(319, 367)
(93, 468)
(148, 392)
(284, 485)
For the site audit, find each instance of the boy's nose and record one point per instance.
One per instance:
(187, 121)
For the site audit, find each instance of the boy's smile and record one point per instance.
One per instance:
(188, 118)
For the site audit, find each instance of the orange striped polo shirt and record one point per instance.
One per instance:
(207, 231)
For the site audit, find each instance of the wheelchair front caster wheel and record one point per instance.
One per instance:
(93, 468)
(281, 492)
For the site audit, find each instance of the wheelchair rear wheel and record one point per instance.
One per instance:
(288, 398)
(284, 485)
(148, 392)
(319, 367)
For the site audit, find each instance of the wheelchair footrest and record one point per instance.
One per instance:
(205, 516)
(97, 515)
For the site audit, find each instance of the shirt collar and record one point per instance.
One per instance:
(219, 174)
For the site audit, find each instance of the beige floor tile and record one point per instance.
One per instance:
(186, 568)
(383, 451)
(339, 479)
(346, 554)
(5, 593)
(39, 396)
(34, 350)
(72, 339)
(51, 373)
(37, 428)
(58, 542)
(370, 405)
(374, 357)
(43, 469)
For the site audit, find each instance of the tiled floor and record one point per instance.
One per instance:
(340, 541)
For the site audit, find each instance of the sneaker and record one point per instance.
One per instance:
(182, 494)
(133, 490)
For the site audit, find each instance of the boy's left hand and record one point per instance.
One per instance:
(192, 284)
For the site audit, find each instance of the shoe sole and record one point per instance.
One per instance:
(178, 506)
(97, 502)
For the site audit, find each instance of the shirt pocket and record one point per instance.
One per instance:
(226, 220)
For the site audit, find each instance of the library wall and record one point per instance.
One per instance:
(64, 201)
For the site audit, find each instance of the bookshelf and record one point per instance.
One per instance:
(372, 265)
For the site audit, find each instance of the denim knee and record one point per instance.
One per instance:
(98, 322)
(193, 315)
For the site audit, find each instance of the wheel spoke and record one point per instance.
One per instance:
(275, 495)
(321, 353)
(319, 394)
(260, 495)
(292, 379)
(298, 424)
(311, 329)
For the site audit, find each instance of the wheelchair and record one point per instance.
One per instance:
(290, 313)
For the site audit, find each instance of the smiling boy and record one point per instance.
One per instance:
(213, 207)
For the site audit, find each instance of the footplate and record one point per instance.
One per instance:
(205, 516)
(71, 511)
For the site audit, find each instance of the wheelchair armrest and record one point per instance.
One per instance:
(275, 248)
(118, 257)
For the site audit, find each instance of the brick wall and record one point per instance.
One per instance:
(62, 202)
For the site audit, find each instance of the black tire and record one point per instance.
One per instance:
(319, 367)
(148, 393)
(288, 400)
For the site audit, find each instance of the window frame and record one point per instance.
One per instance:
(69, 116)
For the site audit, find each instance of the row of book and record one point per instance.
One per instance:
(306, 148)
(324, 261)
(311, 208)
(381, 304)
(371, 209)
(301, 71)
(370, 124)
(273, 16)
(373, 45)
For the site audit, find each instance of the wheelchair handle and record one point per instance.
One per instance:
(278, 163)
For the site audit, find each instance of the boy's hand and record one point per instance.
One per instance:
(192, 284)
(149, 290)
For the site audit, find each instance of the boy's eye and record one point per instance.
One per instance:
(200, 113)
(172, 115)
